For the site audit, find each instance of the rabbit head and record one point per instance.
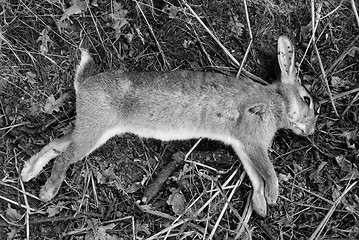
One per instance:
(301, 109)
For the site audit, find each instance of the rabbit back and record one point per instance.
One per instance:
(179, 105)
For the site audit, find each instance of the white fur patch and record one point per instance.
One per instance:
(36, 163)
(164, 134)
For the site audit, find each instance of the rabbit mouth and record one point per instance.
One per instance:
(298, 131)
(303, 130)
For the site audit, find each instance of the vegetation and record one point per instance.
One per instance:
(207, 195)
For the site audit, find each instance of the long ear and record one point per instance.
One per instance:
(286, 60)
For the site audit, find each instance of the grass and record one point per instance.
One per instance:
(207, 196)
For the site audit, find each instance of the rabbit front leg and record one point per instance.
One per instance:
(258, 199)
(258, 155)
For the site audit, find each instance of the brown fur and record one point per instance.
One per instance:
(182, 105)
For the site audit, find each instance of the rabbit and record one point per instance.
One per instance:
(180, 105)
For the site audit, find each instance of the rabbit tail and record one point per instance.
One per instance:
(85, 68)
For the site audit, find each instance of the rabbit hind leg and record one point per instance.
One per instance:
(36, 163)
(84, 141)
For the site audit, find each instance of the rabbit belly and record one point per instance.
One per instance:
(164, 134)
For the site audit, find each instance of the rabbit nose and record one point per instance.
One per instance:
(309, 130)
(304, 130)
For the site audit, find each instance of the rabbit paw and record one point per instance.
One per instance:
(48, 191)
(36, 163)
(259, 204)
(271, 191)
(28, 172)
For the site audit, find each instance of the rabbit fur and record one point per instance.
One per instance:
(181, 105)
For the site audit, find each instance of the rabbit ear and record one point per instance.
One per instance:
(286, 60)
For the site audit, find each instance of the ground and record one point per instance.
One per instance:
(207, 194)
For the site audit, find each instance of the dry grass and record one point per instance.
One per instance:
(207, 196)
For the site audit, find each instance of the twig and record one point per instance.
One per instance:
(167, 216)
(192, 148)
(224, 208)
(325, 80)
(166, 64)
(216, 193)
(355, 11)
(16, 203)
(340, 95)
(14, 126)
(167, 229)
(122, 219)
(314, 19)
(94, 20)
(247, 213)
(211, 34)
(250, 37)
(350, 49)
(153, 188)
(312, 193)
(320, 228)
(234, 60)
(350, 104)
(10, 223)
(27, 214)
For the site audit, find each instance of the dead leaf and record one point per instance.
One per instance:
(77, 7)
(316, 176)
(119, 18)
(12, 214)
(353, 51)
(65, 24)
(94, 3)
(343, 163)
(173, 11)
(53, 105)
(129, 36)
(347, 166)
(67, 129)
(30, 77)
(12, 234)
(134, 187)
(99, 232)
(53, 210)
(236, 26)
(139, 33)
(143, 228)
(106, 173)
(337, 82)
(336, 193)
(187, 43)
(283, 177)
(306, 30)
(177, 201)
(350, 138)
(297, 168)
(45, 41)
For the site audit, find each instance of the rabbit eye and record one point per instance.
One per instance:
(307, 100)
